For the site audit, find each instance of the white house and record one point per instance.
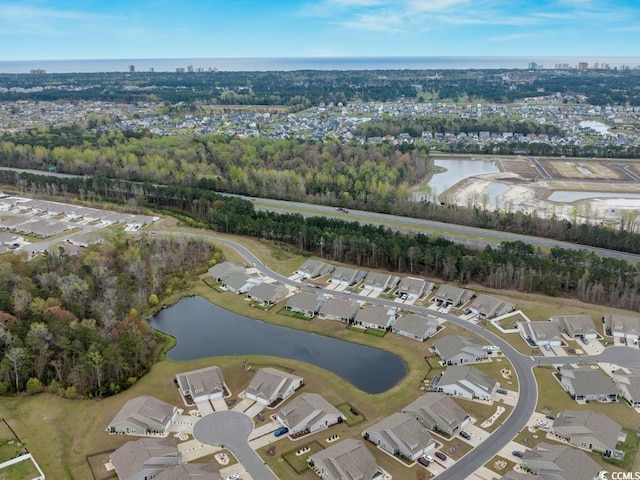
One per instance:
(270, 385)
(308, 412)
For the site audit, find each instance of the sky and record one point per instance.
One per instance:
(103, 29)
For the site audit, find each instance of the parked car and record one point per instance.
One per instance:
(547, 347)
(465, 435)
(441, 456)
(281, 431)
(517, 453)
(429, 458)
(501, 391)
(550, 417)
(423, 461)
(234, 476)
(623, 340)
(543, 424)
(584, 340)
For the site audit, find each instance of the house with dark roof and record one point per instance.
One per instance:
(380, 282)
(486, 306)
(339, 309)
(401, 434)
(622, 326)
(468, 382)
(576, 326)
(309, 304)
(587, 384)
(438, 412)
(413, 287)
(560, 462)
(456, 350)
(375, 316)
(347, 276)
(145, 415)
(314, 268)
(201, 384)
(268, 293)
(308, 412)
(348, 459)
(541, 333)
(452, 296)
(145, 458)
(221, 270)
(270, 385)
(587, 429)
(417, 327)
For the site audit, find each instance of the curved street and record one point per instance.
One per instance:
(522, 366)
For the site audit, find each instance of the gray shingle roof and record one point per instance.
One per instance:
(203, 381)
(191, 471)
(439, 409)
(304, 405)
(340, 308)
(404, 432)
(588, 423)
(267, 382)
(569, 463)
(451, 345)
(588, 381)
(575, 324)
(145, 406)
(133, 456)
(311, 302)
(375, 314)
(350, 457)
(458, 373)
(456, 294)
(418, 325)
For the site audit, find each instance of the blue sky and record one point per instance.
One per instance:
(89, 29)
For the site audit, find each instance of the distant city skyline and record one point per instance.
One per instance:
(95, 29)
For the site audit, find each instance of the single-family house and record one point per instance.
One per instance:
(309, 304)
(560, 462)
(347, 276)
(413, 288)
(586, 384)
(239, 282)
(201, 385)
(452, 296)
(380, 282)
(270, 385)
(221, 270)
(587, 429)
(577, 326)
(268, 293)
(456, 349)
(621, 326)
(438, 412)
(143, 416)
(486, 306)
(375, 316)
(513, 475)
(314, 268)
(308, 412)
(190, 471)
(145, 458)
(417, 327)
(401, 434)
(628, 385)
(348, 459)
(467, 382)
(339, 309)
(541, 333)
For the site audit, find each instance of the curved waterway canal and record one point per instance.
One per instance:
(203, 329)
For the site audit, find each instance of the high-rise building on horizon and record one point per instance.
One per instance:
(132, 68)
(583, 66)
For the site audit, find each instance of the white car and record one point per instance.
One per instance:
(543, 424)
(234, 476)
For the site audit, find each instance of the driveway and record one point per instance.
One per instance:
(232, 429)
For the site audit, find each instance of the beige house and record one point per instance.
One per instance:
(339, 309)
(401, 434)
(587, 384)
(348, 459)
(438, 412)
(270, 385)
(375, 316)
(452, 296)
(145, 458)
(202, 384)
(560, 462)
(587, 429)
(486, 306)
(308, 412)
(145, 415)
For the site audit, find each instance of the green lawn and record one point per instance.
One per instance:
(24, 470)
(299, 462)
(630, 449)
(494, 370)
(292, 314)
(353, 415)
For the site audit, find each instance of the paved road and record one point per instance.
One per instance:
(232, 429)
(459, 233)
(522, 366)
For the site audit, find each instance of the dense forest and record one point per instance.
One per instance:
(70, 323)
(370, 177)
(576, 274)
(304, 88)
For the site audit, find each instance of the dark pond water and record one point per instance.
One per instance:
(206, 330)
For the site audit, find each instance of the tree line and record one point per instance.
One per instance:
(70, 324)
(575, 274)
